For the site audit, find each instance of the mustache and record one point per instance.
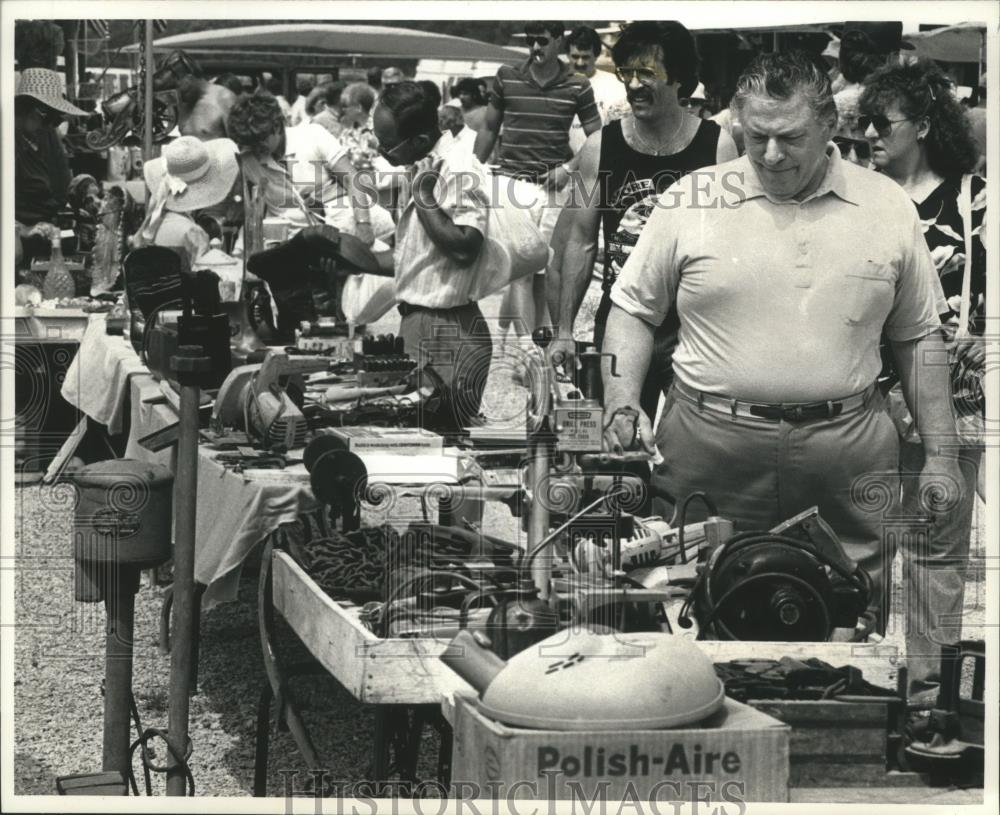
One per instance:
(642, 93)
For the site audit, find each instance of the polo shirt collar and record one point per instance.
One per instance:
(438, 149)
(833, 182)
(565, 70)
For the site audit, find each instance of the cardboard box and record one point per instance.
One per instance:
(739, 754)
(387, 439)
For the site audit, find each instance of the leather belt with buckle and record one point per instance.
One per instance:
(794, 413)
(797, 413)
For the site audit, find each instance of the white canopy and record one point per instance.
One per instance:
(965, 42)
(326, 39)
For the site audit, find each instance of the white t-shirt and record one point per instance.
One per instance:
(465, 141)
(310, 153)
(612, 104)
(297, 114)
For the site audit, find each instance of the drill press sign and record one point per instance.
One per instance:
(679, 760)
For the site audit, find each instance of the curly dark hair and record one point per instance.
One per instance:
(678, 51)
(471, 87)
(922, 90)
(253, 119)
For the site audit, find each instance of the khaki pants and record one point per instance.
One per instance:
(456, 343)
(760, 473)
(935, 567)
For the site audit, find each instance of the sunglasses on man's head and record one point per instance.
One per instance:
(536, 39)
(882, 124)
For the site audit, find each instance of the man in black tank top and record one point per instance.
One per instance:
(622, 169)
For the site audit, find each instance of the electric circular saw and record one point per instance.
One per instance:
(265, 400)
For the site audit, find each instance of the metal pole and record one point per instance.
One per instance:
(539, 449)
(149, 69)
(119, 600)
(538, 512)
(188, 363)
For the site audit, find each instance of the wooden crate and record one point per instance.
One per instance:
(836, 743)
(374, 670)
(878, 663)
(832, 742)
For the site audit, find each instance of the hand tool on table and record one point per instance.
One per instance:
(255, 398)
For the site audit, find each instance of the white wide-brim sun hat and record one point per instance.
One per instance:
(196, 174)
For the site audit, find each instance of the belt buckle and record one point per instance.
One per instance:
(774, 413)
(794, 413)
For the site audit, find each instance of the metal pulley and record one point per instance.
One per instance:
(771, 587)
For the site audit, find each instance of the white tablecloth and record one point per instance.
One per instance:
(97, 380)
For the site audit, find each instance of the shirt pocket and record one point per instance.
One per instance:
(868, 292)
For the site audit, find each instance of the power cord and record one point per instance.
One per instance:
(530, 556)
(145, 768)
(709, 505)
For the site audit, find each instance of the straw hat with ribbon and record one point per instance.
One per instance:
(45, 86)
(190, 175)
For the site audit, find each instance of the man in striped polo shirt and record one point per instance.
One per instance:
(535, 103)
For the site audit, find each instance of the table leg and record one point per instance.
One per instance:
(445, 746)
(199, 592)
(262, 742)
(410, 747)
(381, 740)
(168, 601)
(277, 676)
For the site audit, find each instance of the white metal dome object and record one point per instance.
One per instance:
(584, 680)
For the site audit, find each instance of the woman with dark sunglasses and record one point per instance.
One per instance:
(921, 138)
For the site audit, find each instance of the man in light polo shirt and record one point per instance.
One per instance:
(535, 103)
(439, 233)
(785, 266)
(610, 96)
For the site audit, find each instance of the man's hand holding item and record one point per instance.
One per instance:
(625, 426)
(561, 353)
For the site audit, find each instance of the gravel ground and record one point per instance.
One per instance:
(59, 646)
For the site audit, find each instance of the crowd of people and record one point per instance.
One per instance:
(774, 275)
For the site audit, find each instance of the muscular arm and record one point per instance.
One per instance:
(575, 241)
(460, 243)
(343, 172)
(924, 379)
(626, 331)
(591, 126)
(726, 149)
(486, 138)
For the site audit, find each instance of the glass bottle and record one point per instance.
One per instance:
(59, 283)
